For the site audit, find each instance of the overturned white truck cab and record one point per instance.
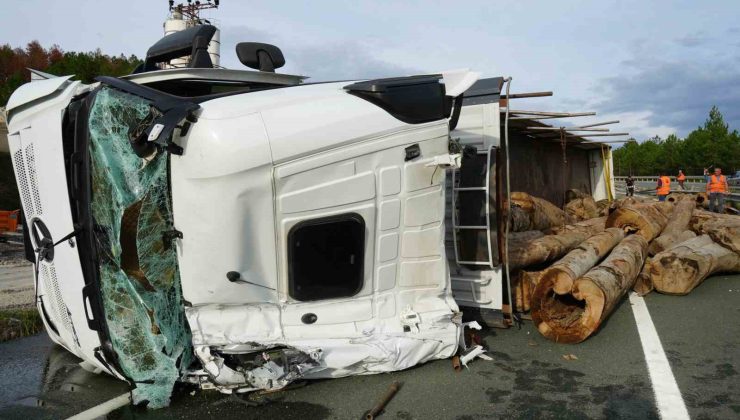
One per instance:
(243, 229)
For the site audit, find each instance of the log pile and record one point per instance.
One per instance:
(573, 316)
(589, 257)
(534, 213)
(677, 229)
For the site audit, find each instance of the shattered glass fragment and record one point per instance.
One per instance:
(139, 278)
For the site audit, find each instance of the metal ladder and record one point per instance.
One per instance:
(487, 227)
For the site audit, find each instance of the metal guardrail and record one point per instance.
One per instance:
(693, 184)
(647, 188)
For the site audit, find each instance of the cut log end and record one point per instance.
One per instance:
(573, 316)
(673, 272)
(570, 317)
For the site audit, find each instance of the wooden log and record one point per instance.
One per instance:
(575, 193)
(677, 228)
(603, 207)
(702, 200)
(643, 283)
(523, 237)
(572, 317)
(561, 275)
(723, 229)
(678, 196)
(534, 213)
(524, 284)
(589, 227)
(647, 220)
(580, 209)
(544, 249)
(678, 270)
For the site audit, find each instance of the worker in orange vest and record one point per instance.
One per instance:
(717, 189)
(681, 178)
(664, 186)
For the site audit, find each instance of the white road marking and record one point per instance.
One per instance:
(103, 409)
(667, 395)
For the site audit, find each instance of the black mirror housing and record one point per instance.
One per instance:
(260, 56)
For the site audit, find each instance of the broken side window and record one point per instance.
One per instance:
(326, 257)
(139, 277)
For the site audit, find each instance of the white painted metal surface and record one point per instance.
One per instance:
(35, 138)
(222, 75)
(32, 91)
(255, 166)
(479, 126)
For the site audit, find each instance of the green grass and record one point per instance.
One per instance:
(17, 323)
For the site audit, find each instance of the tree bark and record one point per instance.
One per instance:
(572, 317)
(677, 227)
(524, 237)
(589, 227)
(544, 249)
(677, 196)
(560, 276)
(524, 284)
(646, 220)
(724, 229)
(533, 213)
(580, 209)
(643, 284)
(678, 270)
(603, 207)
(574, 193)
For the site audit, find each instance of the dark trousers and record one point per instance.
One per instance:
(630, 191)
(720, 199)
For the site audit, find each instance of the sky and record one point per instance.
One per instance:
(657, 66)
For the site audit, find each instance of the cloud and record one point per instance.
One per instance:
(693, 40)
(337, 60)
(676, 93)
(345, 60)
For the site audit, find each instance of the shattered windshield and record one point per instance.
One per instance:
(139, 277)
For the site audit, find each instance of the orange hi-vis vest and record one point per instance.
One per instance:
(717, 185)
(665, 186)
(681, 177)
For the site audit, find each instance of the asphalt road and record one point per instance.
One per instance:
(528, 378)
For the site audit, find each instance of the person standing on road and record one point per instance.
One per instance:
(681, 178)
(664, 186)
(717, 189)
(630, 186)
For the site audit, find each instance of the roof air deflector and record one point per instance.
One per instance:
(191, 42)
(413, 100)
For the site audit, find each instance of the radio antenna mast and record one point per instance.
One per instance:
(190, 10)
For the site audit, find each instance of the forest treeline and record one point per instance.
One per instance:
(14, 64)
(710, 145)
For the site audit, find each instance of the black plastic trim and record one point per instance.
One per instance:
(77, 159)
(192, 42)
(413, 100)
(172, 111)
(484, 91)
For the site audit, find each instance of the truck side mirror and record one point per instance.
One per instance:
(259, 56)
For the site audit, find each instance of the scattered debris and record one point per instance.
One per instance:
(570, 357)
(472, 353)
(387, 397)
(456, 363)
